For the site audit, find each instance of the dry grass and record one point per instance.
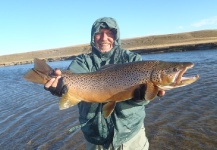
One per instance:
(169, 42)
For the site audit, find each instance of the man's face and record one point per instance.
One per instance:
(104, 40)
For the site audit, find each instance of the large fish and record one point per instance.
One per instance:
(115, 83)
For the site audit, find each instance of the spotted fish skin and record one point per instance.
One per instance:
(103, 84)
(114, 83)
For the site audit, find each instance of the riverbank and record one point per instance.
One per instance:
(205, 39)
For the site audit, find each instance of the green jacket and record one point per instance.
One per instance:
(128, 116)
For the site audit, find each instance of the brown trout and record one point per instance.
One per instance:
(115, 83)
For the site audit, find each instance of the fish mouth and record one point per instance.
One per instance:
(179, 80)
(182, 81)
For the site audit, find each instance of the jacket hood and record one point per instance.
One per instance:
(109, 23)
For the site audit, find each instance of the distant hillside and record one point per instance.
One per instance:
(205, 39)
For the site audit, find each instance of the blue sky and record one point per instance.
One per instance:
(29, 25)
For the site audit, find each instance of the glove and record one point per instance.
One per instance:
(139, 93)
(59, 90)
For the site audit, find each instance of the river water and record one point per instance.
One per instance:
(184, 119)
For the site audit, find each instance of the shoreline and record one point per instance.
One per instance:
(197, 40)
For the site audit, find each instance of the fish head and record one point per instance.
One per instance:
(169, 75)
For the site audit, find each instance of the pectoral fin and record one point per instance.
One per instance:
(108, 108)
(151, 91)
(67, 101)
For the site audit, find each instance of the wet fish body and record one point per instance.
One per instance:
(114, 83)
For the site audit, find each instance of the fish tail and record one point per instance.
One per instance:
(40, 73)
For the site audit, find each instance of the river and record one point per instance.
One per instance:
(185, 118)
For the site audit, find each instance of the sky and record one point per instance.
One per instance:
(30, 25)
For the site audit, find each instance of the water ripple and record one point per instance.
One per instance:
(183, 119)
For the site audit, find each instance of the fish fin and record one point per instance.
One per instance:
(151, 91)
(35, 76)
(42, 66)
(40, 73)
(108, 108)
(131, 92)
(67, 101)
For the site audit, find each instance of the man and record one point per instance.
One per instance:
(124, 128)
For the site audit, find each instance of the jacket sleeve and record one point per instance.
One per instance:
(79, 65)
(132, 57)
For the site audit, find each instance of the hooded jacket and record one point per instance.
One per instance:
(128, 116)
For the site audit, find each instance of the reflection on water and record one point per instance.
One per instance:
(184, 119)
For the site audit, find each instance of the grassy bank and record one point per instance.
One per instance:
(205, 39)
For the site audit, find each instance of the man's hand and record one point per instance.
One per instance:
(161, 93)
(139, 93)
(56, 85)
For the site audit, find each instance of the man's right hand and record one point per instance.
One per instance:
(56, 85)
